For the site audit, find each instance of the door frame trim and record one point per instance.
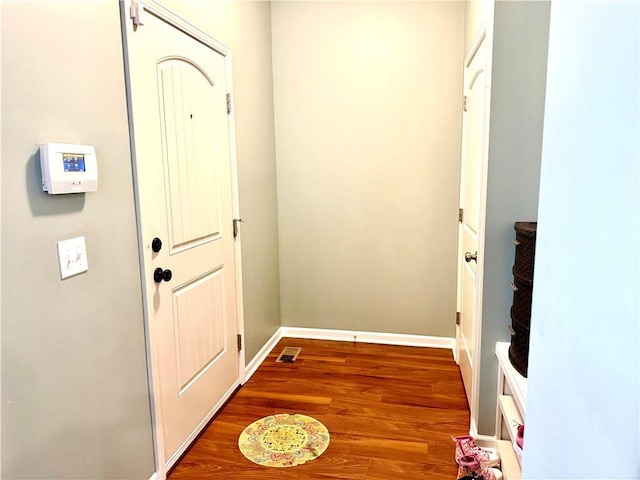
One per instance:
(0, 255)
(154, 8)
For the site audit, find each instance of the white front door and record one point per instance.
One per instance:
(471, 198)
(183, 156)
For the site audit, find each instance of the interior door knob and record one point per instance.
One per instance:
(160, 275)
(156, 245)
(471, 256)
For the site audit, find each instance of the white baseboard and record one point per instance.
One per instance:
(486, 441)
(345, 336)
(263, 353)
(369, 337)
(473, 428)
(154, 477)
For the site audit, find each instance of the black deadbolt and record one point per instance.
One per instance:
(156, 244)
(160, 275)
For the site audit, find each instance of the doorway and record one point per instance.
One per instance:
(182, 140)
(471, 218)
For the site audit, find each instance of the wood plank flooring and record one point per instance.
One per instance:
(390, 412)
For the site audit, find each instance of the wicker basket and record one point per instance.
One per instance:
(525, 251)
(519, 349)
(521, 308)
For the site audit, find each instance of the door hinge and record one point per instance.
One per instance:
(464, 103)
(228, 103)
(457, 318)
(136, 13)
(460, 214)
(239, 342)
(236, 226)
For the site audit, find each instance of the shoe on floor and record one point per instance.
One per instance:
(466, 446)
(469, 468)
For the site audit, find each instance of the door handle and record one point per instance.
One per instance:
(159, 275)
(471, 256)
(156, 245)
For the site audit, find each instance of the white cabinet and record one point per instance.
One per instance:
(512, 403)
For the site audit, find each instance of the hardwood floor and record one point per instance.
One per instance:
(390, 412)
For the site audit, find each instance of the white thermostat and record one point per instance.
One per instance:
(68, 168)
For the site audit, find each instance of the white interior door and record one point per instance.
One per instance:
(183, 156)
(471, 188)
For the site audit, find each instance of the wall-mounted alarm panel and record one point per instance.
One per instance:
(68, 168)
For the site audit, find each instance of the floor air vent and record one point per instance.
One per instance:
(288, 355)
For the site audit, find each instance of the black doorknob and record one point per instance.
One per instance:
(160, 275)
(156, 244)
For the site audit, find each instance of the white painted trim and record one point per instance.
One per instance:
(476, 46)
(1, 402)
(262, 354)
(158, 10)
(154, 477)
(455, 347)
(152, 375)
(187, 443)
(473, 428)
(242, 359)
(498, 423)
(483, 441)
(486, 441)
(369, 337)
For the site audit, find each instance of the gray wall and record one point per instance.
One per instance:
(583, 363)
(75, 401)
(74, 385)
(368, 132)
(521, 32)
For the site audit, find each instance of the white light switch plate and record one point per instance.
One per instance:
(72, 257)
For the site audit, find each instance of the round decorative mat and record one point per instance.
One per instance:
(284, 440)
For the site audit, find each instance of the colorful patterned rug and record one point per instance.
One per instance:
(284, 440)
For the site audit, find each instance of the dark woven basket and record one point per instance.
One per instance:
(519, 349)
(521, 309)
(525, 251)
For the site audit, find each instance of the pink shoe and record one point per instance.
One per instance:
(466, 446)
(520, 437)
(471, 469)
(518, 443)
